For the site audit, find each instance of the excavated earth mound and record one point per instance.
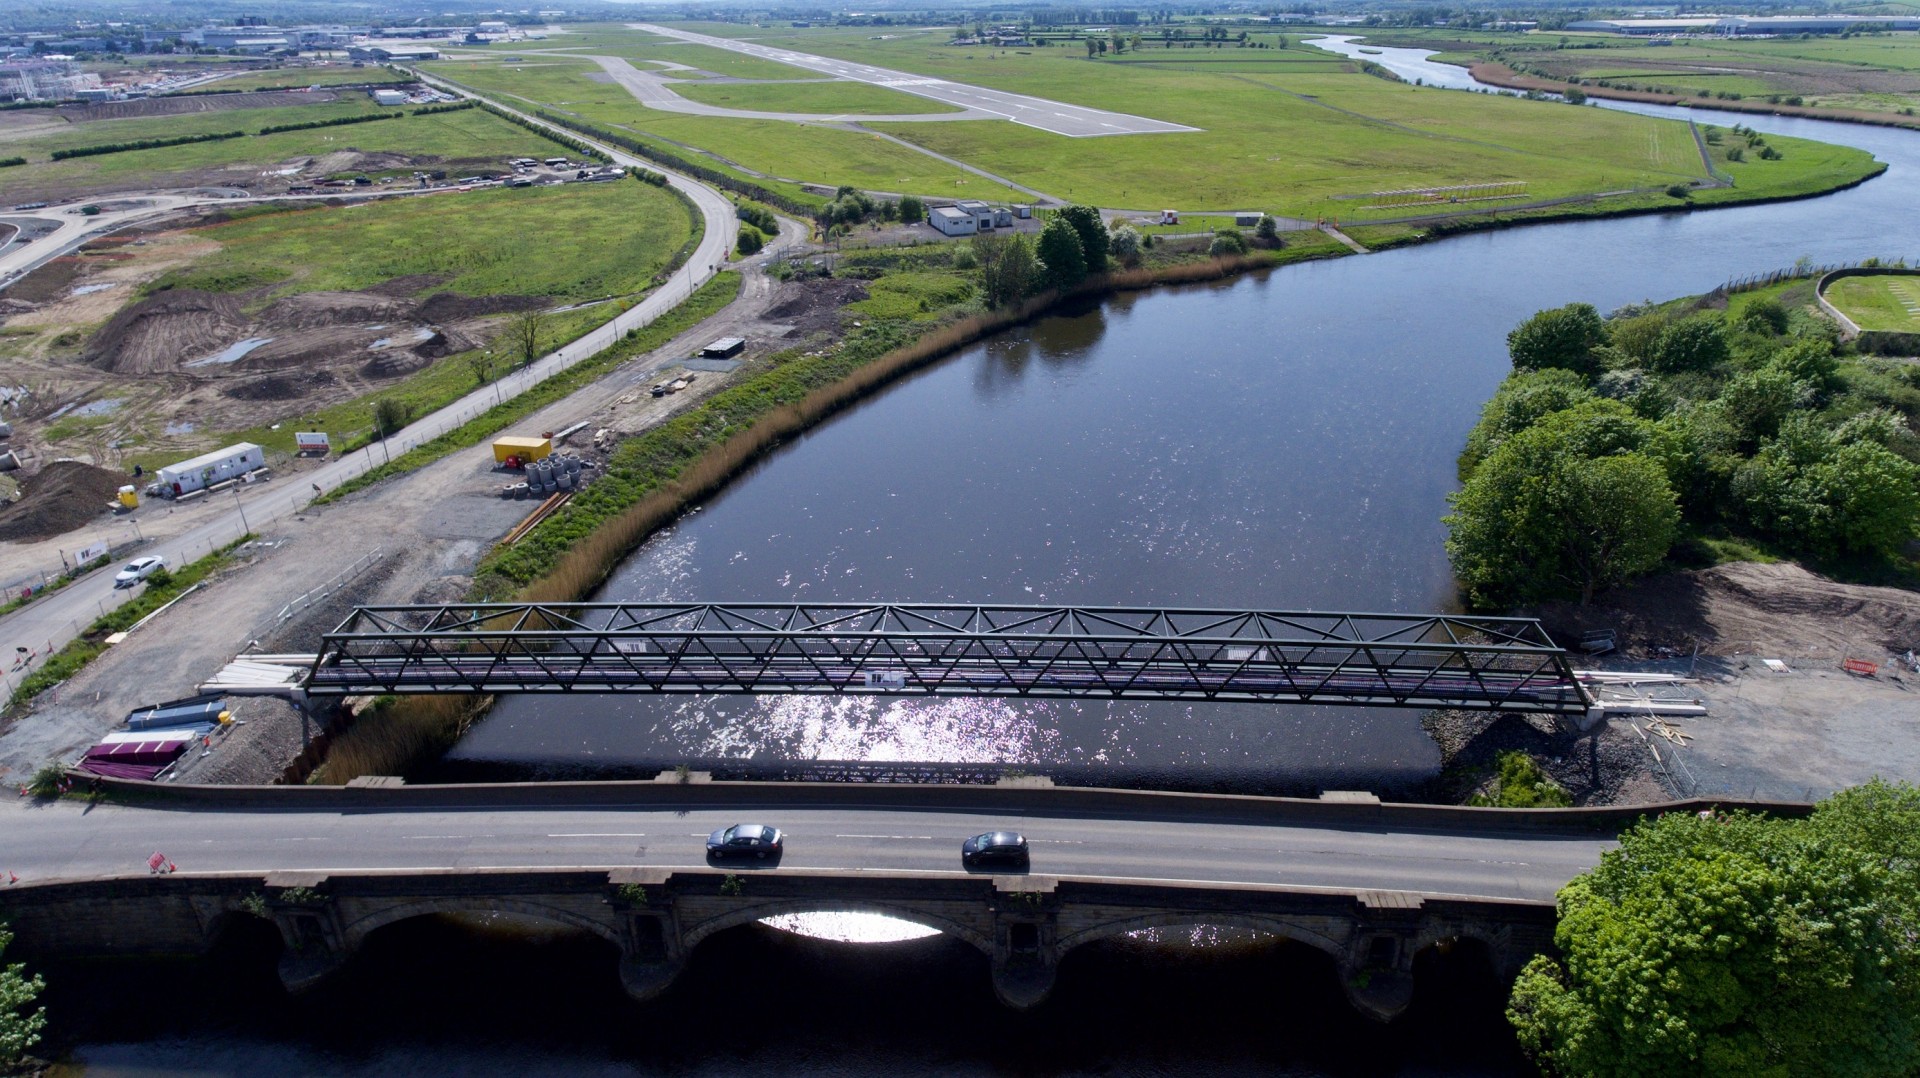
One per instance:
(63, 496)
(163, 331)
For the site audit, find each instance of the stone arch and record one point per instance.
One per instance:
(357, 931)
(1335, 949)
(691, 935)
(1433, 942)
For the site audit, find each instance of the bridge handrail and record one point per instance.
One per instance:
(1012, 796)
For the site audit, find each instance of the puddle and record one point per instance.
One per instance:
(90, 289)
(180, 428)
(387, 342)
(99, 407)
(232, 353)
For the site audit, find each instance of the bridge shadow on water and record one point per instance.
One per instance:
(443, 995)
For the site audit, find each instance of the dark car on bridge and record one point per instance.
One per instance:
(995, 848)
(744, 840)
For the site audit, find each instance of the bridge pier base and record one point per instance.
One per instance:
(1026, 939)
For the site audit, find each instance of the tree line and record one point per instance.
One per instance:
(1737, 944)
(1616, 438)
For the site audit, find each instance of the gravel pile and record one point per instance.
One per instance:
(63, 496)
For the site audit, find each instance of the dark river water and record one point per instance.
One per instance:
(1282, 440)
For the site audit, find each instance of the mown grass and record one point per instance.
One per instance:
(708, 300)
(1280, 133)
(1877, 302)
(811, 97)
(764, 148)
(89, 645)
(37, 147)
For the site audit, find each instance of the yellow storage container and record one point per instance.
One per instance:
(130, 497)
(525, 448)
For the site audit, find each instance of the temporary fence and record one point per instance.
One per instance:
(307, 599)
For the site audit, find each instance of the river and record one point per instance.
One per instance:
(1284, 439)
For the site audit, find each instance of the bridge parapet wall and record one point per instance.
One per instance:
(656, 918)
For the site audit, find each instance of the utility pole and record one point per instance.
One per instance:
(243, 509)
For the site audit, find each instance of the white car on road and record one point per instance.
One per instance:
(139, 569)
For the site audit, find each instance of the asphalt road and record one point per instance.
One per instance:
(1074, 121)
(53, 621)
(69, 840)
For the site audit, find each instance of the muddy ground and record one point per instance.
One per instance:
(431, 527)
(96, 370)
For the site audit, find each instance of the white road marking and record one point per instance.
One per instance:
(600, 834)
(922, 838)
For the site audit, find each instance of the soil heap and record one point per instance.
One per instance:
(65, 495)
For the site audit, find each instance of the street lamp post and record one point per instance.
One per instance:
(243, 509)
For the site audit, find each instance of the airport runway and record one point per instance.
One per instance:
(1074, 121)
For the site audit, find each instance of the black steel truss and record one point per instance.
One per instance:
(1426, 661)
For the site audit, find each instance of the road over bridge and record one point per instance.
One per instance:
(1368, 884)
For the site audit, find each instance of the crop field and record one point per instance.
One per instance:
(1879, 303)
(313, 312)
(472, 137)
(819, 98)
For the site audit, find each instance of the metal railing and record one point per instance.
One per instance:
(309, 599)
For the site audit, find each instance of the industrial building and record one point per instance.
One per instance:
(405, 54)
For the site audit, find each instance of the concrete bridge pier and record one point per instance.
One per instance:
(651, 952)
(1026, 939)
(315, 942)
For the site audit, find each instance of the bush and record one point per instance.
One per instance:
(912, 210)
(1520, 783)
(19, 1027)
(1227, 241)
(750, 241)
(1691, 344)
(1563, 337)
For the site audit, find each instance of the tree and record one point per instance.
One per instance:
(1227, 241)
(1267, 231)
(480, 362)
(1560, 337)
(912, 209)
(1577, 502)
(1092, 231)
(1093, 47)
(1520, 402)
(1008, 269)
(390, 415)
(1764, 316)
(1691, 344)
(750, 242)
(19, 1027)
(524, 332)
(1063, 263)
(1733, 944)
(1125, 245)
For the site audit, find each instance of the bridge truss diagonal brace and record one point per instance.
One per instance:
(1114, 653)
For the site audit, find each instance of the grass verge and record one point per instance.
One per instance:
(73, 658)
(708, 300)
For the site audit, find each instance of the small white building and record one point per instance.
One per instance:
(389, 97)
(952, 221)
(982, 213)
(209, 469)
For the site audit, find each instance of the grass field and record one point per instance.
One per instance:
(37, 145)
(294, 78)
(820, 98)
(1879, 303)
(1286, 130)
(1879, 73)
(572, 242)
(452, 138)
(812, 153)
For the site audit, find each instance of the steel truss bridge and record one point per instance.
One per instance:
(1102, 653)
